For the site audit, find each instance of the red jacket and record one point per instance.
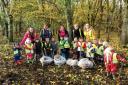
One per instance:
(111, 60)
(27, 35)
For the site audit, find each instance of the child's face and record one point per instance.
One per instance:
(29, 41)
(47, 39)
(53, 39)
(61, 38)
(37, 40)
(100, 42)
(89, 44)
(16, 45)
(81, 40)
(95, 41)
(65, 38)
(75, 40)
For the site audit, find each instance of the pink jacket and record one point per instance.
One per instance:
(27, 35)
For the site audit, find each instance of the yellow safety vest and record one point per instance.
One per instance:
(115, 60)
(15, 52)
(29, 46)
(89, 35)
(66, 44)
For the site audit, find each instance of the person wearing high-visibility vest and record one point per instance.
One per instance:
(66, 47)
(81, 46)
(74, 43)
(91, 49)
(111, 60)
(47, 47)
(61, 46)
(99, 53)
(17, 54)
(29, 49)
(88, 32)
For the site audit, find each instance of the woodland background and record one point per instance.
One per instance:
(109, 18)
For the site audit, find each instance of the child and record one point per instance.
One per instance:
(38, 49)
(81, 46)
(74, 43)
(17, 54)
(90, 51)
(61, 46)
(125, 50)
(47, 47)
(29, 50)
(99, 53)
(111, 59)
(53, 46)
(66, 47)
(58, 59)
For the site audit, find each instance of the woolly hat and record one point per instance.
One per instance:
(27, 41)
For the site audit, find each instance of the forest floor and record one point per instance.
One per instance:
(53, 75)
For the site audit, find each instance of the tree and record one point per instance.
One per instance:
(124, 34)
(8, 21)
(69, 16)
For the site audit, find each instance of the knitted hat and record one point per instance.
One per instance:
(27, 41)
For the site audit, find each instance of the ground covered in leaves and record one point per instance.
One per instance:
(52, 75)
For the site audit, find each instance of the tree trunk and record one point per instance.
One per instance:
(120, 17)
(69, 15)
(100, 20)
(10, 28)
(108, 21)
(124, 34)
(6, 29)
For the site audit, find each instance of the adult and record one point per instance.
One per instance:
(77, 32)
(88, 32)
(62, 32)
(46, 32)
(31, 34)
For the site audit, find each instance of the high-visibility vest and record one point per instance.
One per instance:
(29, 46)
(47, 45)
(66, 44)
(89, 34)
(100, 50)
(80, 32)
(115, 60)
(74, 45)
(94, 45)
(81, 46)
(61, 43)
(16, 52)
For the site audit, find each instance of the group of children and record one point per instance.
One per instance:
(76, 49)
(78, 52)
